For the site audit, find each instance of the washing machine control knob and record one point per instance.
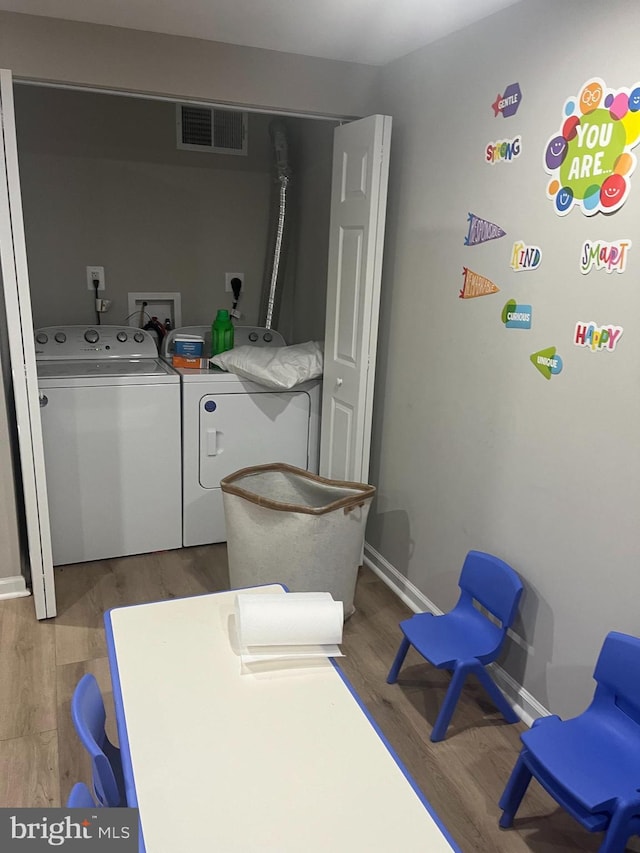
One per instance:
(41, 338)
(253, 337)
(138, 337)
(267, 337)
(91, 336)
(60, 337)
(122, 337)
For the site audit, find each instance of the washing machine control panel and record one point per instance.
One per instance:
(86, 342)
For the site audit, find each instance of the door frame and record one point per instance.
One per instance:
(17, 298)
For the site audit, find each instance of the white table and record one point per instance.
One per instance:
(272, 760)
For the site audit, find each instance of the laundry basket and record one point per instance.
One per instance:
(286, 525)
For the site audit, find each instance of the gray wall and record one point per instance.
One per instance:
(45, 49)
(472, 447)
(103, 183)
(302, 311)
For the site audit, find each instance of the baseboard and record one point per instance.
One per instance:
(524, 704)
(13, 587)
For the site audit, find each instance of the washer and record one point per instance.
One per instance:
(229, 423)
(110, 410)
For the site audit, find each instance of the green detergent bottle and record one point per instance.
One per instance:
(221, 333)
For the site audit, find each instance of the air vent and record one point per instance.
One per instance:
(208, 129)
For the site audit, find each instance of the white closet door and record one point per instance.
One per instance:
(358, 211)
(15, 279)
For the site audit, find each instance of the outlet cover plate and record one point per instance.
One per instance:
(93, 273)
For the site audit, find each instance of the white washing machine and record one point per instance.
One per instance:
(229, 423)
(110, 410)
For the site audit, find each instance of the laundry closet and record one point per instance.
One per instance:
(129, 191)
(115, 221)
(108, 184)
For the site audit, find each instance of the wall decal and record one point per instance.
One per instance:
(597, 338)
(525, 257)
(476, 285)
(611, 257)
(516, 316)
(481, 230)
(590, 158)
(508, 103)
(503, 151)
(547, 361)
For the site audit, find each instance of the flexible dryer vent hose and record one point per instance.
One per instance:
(279, 139)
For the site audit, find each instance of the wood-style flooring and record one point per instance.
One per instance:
(462, 776)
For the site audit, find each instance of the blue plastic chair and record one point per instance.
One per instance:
(591, 764)
(88, 714)
(80, 797)
(465, 640)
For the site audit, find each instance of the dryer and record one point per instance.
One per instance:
(229, 423)
(110, 410)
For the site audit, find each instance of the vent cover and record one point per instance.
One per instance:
(208, 129)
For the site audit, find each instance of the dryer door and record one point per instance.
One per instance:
(239, 430)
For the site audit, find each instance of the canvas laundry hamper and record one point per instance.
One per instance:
(286, 525)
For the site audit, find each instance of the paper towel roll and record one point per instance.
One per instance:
(290, 619)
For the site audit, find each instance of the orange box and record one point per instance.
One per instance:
(189, 361)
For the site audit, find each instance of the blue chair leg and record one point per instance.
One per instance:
(617, 834)
(514, 792)
(399, 660)
(449, 703)
(496, 695)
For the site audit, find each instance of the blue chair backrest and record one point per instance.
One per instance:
(493, 583)
(618, 673)
(89, 716)
(80, 797)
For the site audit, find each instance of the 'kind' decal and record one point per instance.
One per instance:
(525, 257)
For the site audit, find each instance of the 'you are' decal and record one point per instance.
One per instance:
(590, 158)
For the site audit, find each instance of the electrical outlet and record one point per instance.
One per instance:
(227, 281)
(94, 273)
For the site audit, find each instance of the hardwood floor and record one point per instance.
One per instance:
(462, 776)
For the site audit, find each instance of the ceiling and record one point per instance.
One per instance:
(368, 31)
